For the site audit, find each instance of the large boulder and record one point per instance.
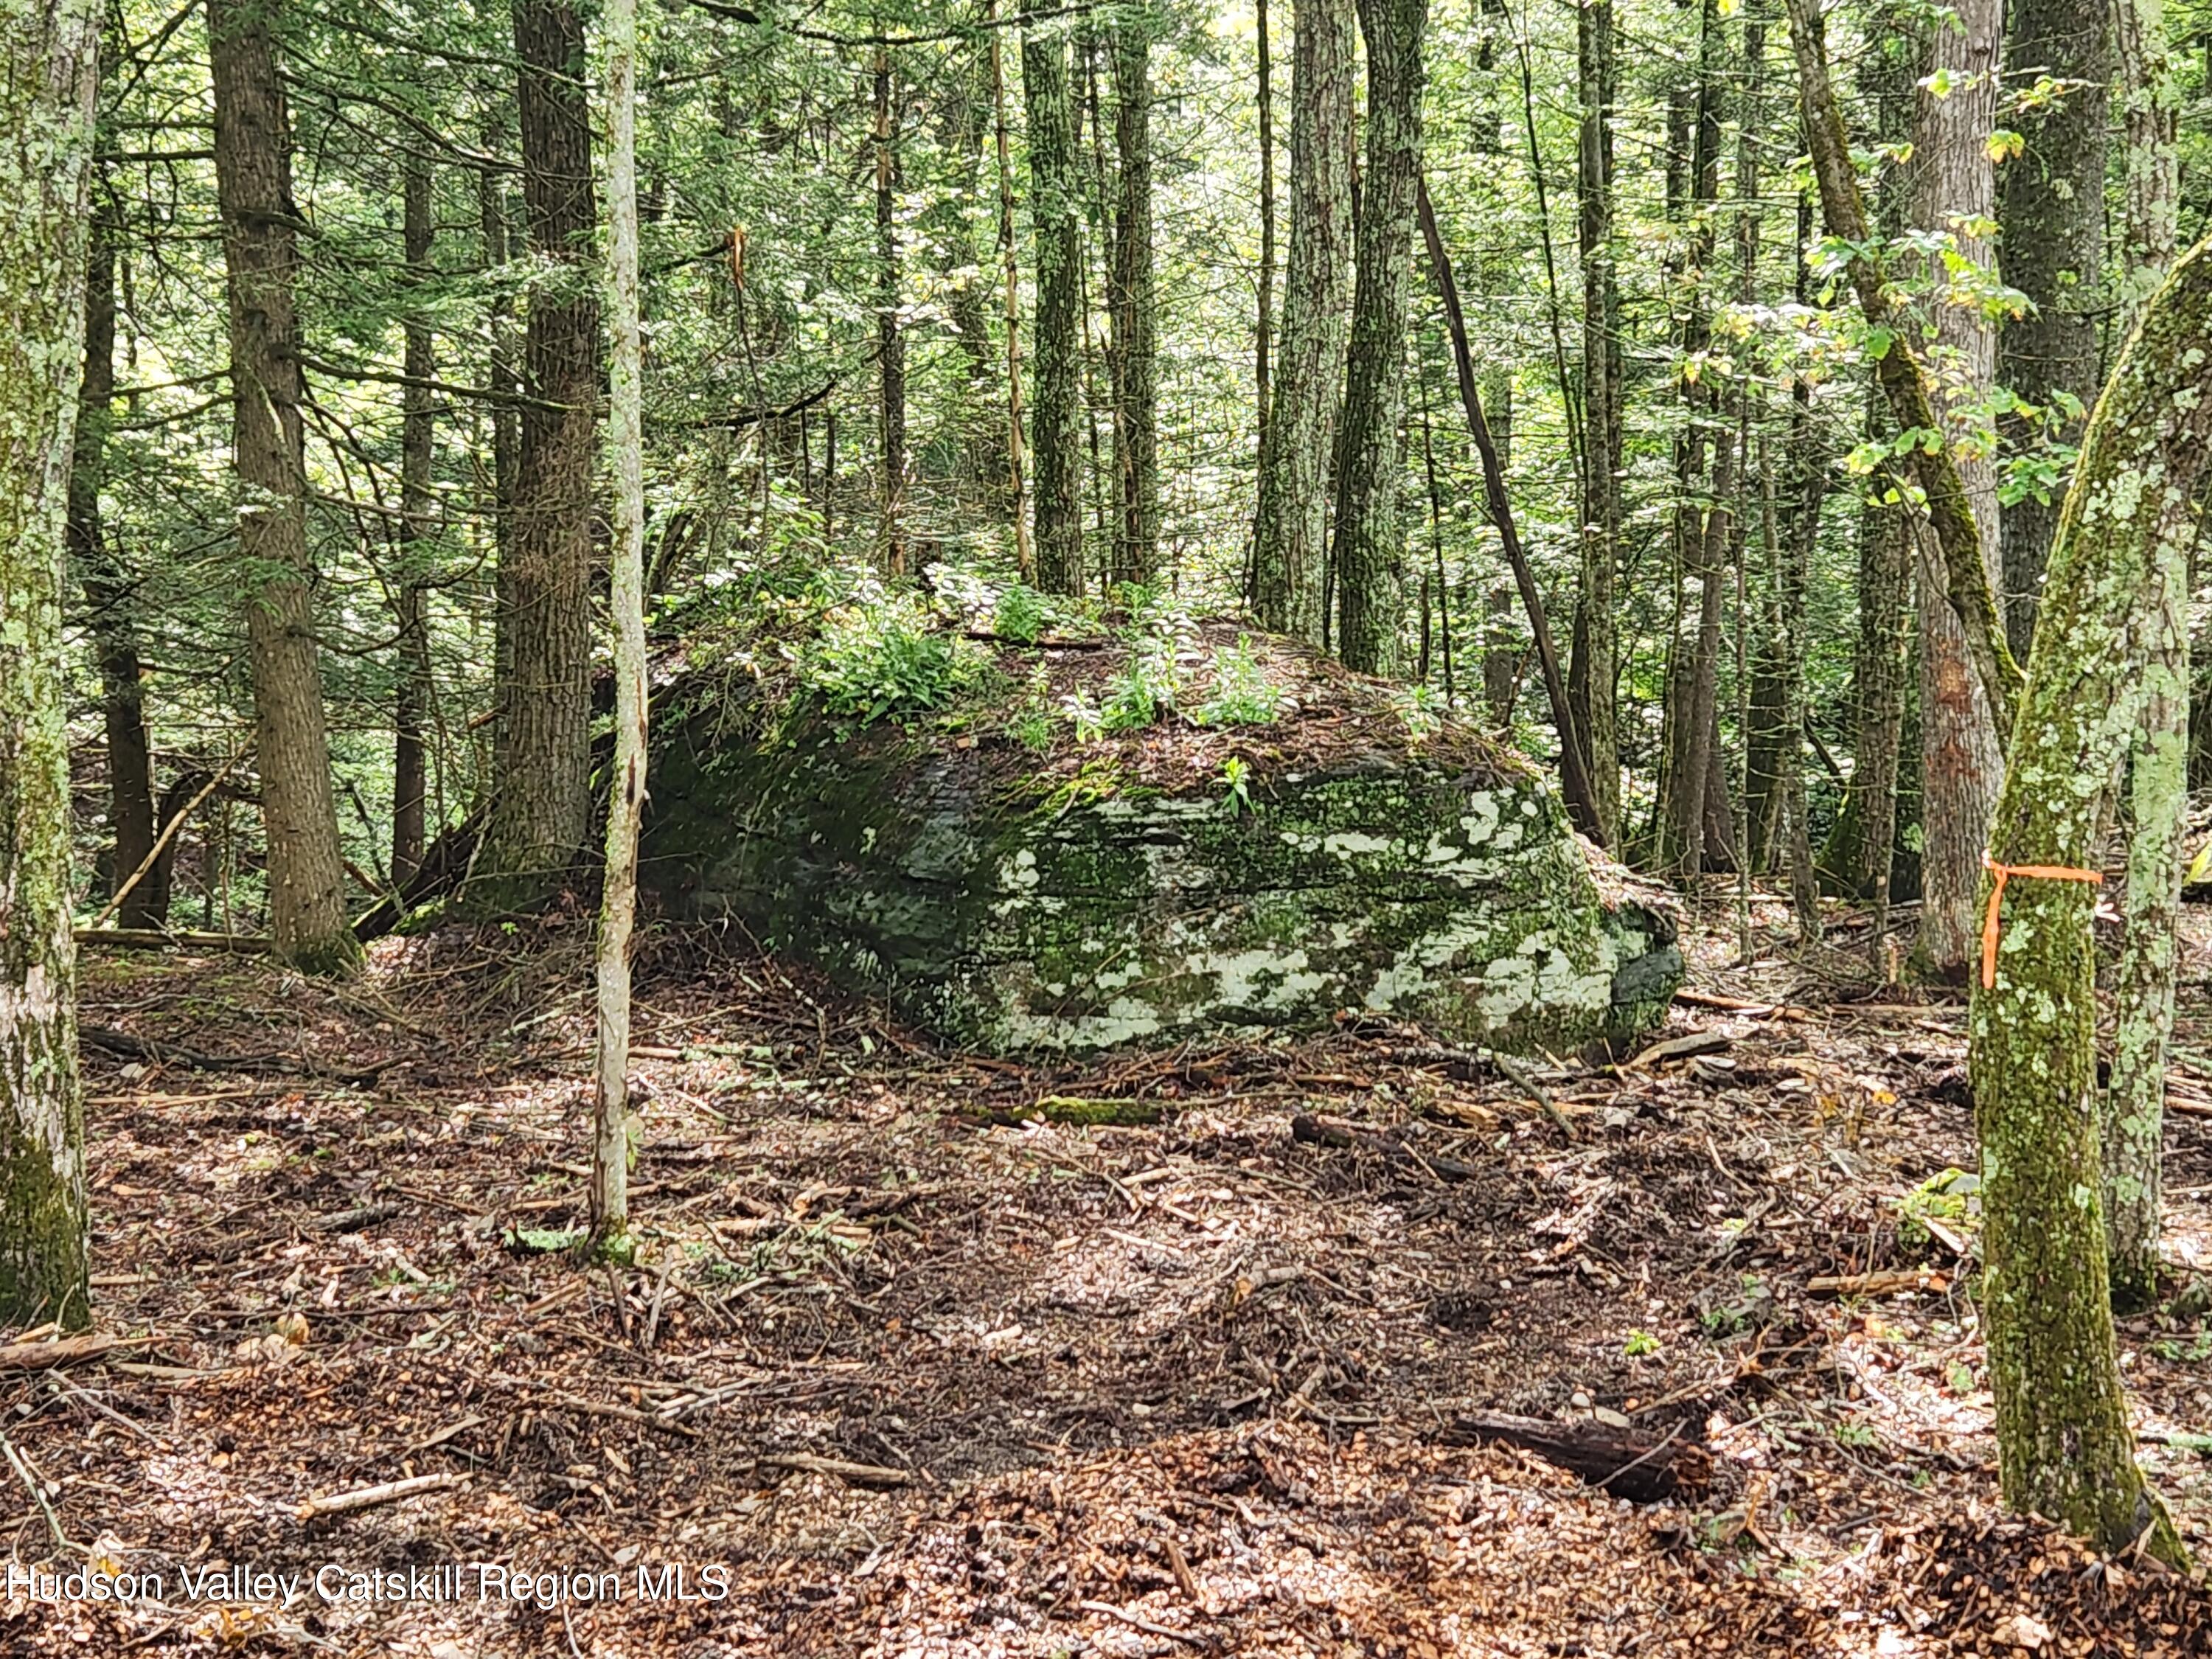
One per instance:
(1029, 864)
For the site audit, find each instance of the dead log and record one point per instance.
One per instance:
(1641, 1467)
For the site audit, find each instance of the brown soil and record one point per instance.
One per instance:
(926, 1384)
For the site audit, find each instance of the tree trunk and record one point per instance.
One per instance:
(1264, 327)
(505, 438)
(50, 56)
(2143, 990)
(308, 924)
(108, 595)
(1901, 373)
(1054, 206)
(1136, 555)
(542, 805)
(611, 1118)
(1369, 549)
(2050, 209)
(1017, 467)
(2065, 1450)
(890, 340)
(1291, 525)
(2143, 987)
(2150, 96)
(1591, 681)
(411, 695)
(1961, 747)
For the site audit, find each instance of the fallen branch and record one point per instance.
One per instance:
(1135, 1622)
(858, 1475)
(367, 1498)
(1888, 1282)
(44, 1355)
(109, 1041)
(1621, 1461)
(1316, 1132)
(160, 939)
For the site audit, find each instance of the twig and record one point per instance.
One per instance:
(1145, 1624)
(1514, 1074)
(15, 1461)
(859, 1474)
(161, 841)
(366, 1497)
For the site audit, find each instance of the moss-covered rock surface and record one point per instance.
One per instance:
(1014, 872)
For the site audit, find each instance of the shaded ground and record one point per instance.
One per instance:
(925, 1383)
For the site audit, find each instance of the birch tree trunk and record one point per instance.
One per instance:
(1292, 526)
(49, 56)
(611, 1141)
(307, 923)
(2065, 1446)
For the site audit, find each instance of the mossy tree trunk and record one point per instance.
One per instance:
(2143, 989)
(307, 923)
(48, 71)
(2065, 1446)
(1292, 526)
(1369, 549)
(1054, 203)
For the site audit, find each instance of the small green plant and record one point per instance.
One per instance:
(1639, 1344)
(1421, 707)
(880, 655)
(1236, 774)
(1021, 616)
(1139, 692)
(1030, 722)
(2189, 1353)
(1857, 1436)
(1242, 694)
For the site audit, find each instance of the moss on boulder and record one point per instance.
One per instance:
(1144, 885)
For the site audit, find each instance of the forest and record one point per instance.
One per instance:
(999, 828)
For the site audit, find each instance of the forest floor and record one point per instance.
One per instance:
(908, 1378)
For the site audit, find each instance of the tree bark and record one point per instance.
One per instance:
(1017, 466)
(1591, 680)
(411, 692)
(1264, 326)
(1961, 747)
(2065, 1449)
(2150, 97)
(49, 56)
(1901, 373)
(2050, 211)
(1369, 549)
(611, 1116)
(308, 924)
(1137, 554)
(108, 593)
(1055, 207)
(1292, 526)
(890, 339)
(541, 809)
(2143, 990)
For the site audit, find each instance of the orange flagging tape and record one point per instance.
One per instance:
(2041, 872)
